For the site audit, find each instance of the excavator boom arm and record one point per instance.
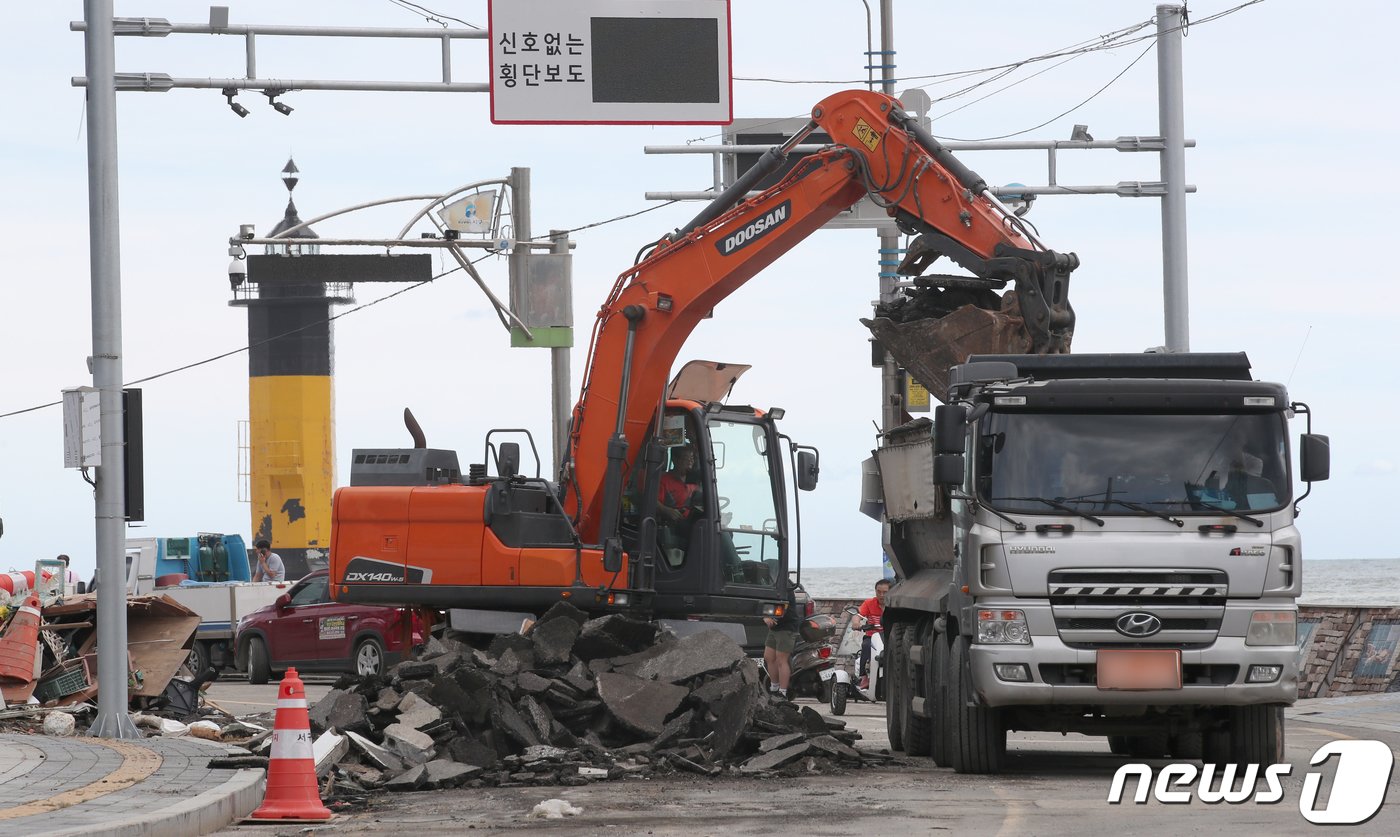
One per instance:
(654, 306)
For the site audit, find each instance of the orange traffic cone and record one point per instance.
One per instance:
(19, 649)
(292, 794)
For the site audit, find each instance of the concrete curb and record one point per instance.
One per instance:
(210, 811)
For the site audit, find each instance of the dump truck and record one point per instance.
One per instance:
(1095, 543)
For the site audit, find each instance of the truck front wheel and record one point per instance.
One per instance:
(936, 697)
(1256, 734)
(976, 736)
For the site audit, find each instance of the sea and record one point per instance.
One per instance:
(1352, 582)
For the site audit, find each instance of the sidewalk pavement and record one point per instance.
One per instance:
(162, 786)
(1379, 711)
(89, 786)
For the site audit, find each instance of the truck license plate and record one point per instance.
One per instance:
(1139, 668)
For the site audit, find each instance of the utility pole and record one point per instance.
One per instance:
(99, 52)
(1172, 123)
(891, 395)
(561, 390)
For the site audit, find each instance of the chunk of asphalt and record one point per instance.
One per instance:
(506, 719)
(613, 635)
(513, 661)
(375, 754)
(638, 705)
(537, 717)
(713, 691)
(580, 677)
(411, 779)
(408, 743)
(831, 747)
(554, 640)
(774, 759)
(506, 642)
(341, 709)
(733, 715)
(328, 750)
(532, 683)
(441, 773)
(777, 742)
(387, 700)
(675, 729)
(418, 713)
(414, 670)
(703, 653)
(561, 610)
(467, 750)
(813, 720)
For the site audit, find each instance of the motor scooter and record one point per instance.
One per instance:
(812, 657)
(843, 686)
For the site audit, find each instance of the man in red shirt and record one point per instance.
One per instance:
(870, 612)
(675, 491)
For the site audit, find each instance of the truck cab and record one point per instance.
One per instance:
(1116, 554)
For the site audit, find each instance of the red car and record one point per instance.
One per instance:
(305, 628)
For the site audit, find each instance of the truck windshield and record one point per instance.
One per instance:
(749, 532)
(1108, 463)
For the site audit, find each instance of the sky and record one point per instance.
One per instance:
(1291, 108)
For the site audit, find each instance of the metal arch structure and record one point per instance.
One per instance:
(287, 456)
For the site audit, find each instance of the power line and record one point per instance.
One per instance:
(334, 317)
(1062, 114)
(262, 342)
(430, 15)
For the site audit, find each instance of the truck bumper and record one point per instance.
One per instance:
(1060, 675)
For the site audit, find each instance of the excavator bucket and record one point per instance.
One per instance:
(926, 347)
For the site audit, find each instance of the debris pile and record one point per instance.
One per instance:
(48, 656)
(573, 701)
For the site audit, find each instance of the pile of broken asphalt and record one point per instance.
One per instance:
(573, 701)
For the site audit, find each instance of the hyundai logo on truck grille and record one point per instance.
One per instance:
(756, 229)
(1138, 624)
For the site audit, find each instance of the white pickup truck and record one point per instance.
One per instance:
(209, 574)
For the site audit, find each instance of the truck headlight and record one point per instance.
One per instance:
(1272, 627)
(1002, 627)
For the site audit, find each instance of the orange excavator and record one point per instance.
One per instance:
(632, 522)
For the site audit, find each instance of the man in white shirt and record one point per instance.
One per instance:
(270, 566)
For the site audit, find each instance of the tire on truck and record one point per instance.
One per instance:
(918, 731)
(892, 664)
(976, 735)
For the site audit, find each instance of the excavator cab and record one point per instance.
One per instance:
(722, 539)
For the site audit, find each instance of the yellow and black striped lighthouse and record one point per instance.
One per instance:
(291, 426)
(289, 291)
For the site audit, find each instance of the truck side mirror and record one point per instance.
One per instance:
(949, 429)
(1315, 453)
(806, 470)
(948, 469)
(508, 462)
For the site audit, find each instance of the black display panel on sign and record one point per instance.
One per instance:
(672, 59)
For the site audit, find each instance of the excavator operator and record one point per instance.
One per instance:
(677, 505)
